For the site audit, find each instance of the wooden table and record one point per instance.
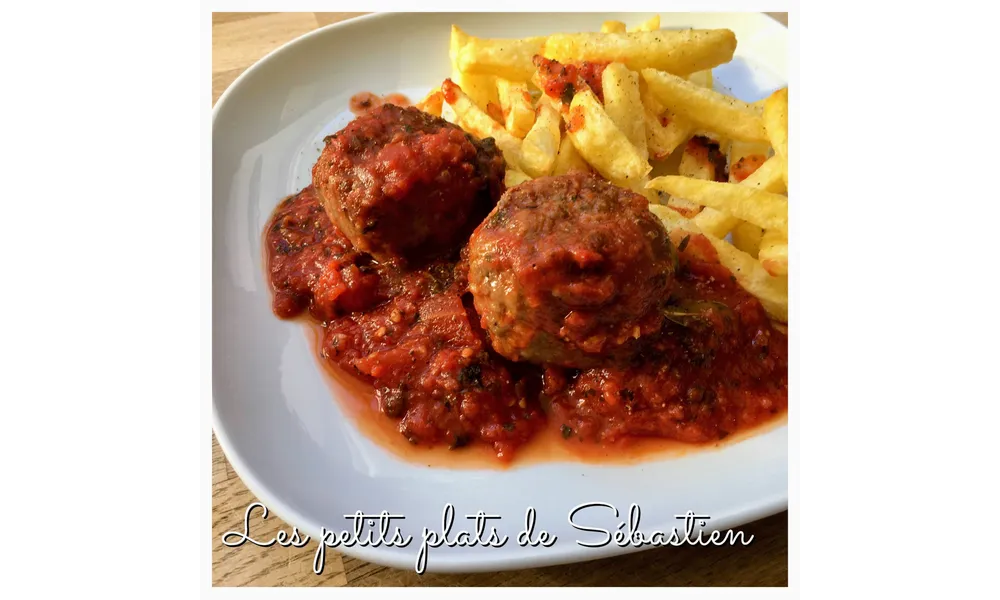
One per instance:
(239, 40)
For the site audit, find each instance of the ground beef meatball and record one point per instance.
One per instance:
(405, 185)
(570, 271)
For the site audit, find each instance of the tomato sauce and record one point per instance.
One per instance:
(562, 81)
(747, 166)
(705, 377)
(412, 337)
(708, 152)
(362, 102)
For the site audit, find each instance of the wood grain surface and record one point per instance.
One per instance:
(239, 40)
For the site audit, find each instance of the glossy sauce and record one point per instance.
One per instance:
(363, 102)
(426, 378)
(547, 446)
(746, 166)
(562, 81)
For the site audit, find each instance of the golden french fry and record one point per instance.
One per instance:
(541, 146)
(662, 139)
(707, 108)
(432, 102)
(650, 25)
(771, 291)
(763, 209)
(773, 253)
(482, 89)
(701, 158)
(474, 120)
(601, 144)
(702, 78)
(776, 126)
(715, 222)
(569, 159)
(744, 159)
(767, 177)
(507, 58)
(749, 273)
(746, 237)
(612, 27)
(664, 130)
(685, 207)
(648, 99)
(514, 177)
(674, 220)
(516, 106)
(679, 52)
(624, 105)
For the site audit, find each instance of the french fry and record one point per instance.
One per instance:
(706, 80)
(752, 277)
(475, 120)
(662, 139)
(650, 25)
(664, 131)
(716, 222)
(776, 126)
(700, 159)
(624, 106)
(432, 102)
(746, 237)
(748, 271)
(507, 58)
(601, 144)
(767, 178)
(612, 27)
(763, 209)
(541, 146)
(702, 78)
(707, 108)
(514, 177)
(678, 52)
(773, 253)
(558, 82)
(482, 89)
(569, 160)
(744, 160)
(495, 112)
(516, 106)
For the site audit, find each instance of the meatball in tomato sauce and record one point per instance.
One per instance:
(407, 186)
(570, 271)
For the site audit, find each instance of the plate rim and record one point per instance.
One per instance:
(444, 564)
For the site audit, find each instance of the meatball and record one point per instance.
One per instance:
(405, 185)
(570, 271)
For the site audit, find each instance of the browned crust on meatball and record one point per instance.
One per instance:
(571, 271)
(407, 186)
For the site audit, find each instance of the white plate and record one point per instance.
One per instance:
(274, 412)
